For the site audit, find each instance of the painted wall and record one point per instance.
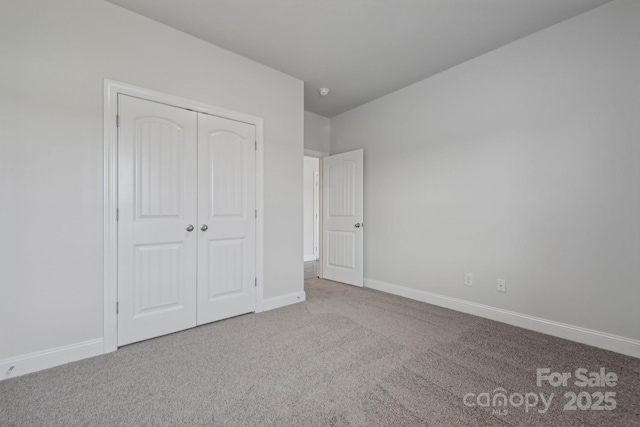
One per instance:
(317, 132)
(520, 164)
(310, 168)
(55, 56)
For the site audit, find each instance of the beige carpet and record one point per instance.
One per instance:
(346, 357)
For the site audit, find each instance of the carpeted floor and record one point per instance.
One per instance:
(345, 357)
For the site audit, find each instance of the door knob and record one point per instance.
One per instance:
(204, 227)
(357, 225)
(189, 227)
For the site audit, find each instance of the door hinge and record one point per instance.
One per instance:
(117, 214)
(256, 211)
(256, 282)
(117, 307)
(256, 145)
(117, 120)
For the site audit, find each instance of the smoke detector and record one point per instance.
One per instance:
(323, 91)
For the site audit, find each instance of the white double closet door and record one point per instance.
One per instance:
(186, 227)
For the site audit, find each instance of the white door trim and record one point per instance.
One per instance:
(111, 91)
(314, 153)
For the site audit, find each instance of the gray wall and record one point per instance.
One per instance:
(55, 56)
(521, 164)
(317, 132)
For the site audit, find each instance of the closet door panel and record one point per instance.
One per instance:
(157, 201)
(226, 218)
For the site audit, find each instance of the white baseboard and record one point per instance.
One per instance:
(604, 340)
(49, 358)
(283, 300)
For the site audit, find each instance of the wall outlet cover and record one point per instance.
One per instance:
(468, 279)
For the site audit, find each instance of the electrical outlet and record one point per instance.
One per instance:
(502, 285)
(468, 279)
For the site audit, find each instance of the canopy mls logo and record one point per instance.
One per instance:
(499, 401)
(600, 400)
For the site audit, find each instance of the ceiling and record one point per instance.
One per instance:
(359, 49)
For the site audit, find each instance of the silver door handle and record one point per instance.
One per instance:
(357, 225)
(204, 227)
(189, 227)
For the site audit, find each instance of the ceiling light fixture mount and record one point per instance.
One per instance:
(323, 91)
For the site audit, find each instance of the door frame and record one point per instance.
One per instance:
(111, 91)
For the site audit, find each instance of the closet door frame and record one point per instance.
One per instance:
(111, 91)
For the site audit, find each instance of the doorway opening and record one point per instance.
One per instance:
(311, 213)
(333, 216)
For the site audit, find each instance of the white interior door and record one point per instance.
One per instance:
(226, 218)
(157, 199)
(342, 214)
